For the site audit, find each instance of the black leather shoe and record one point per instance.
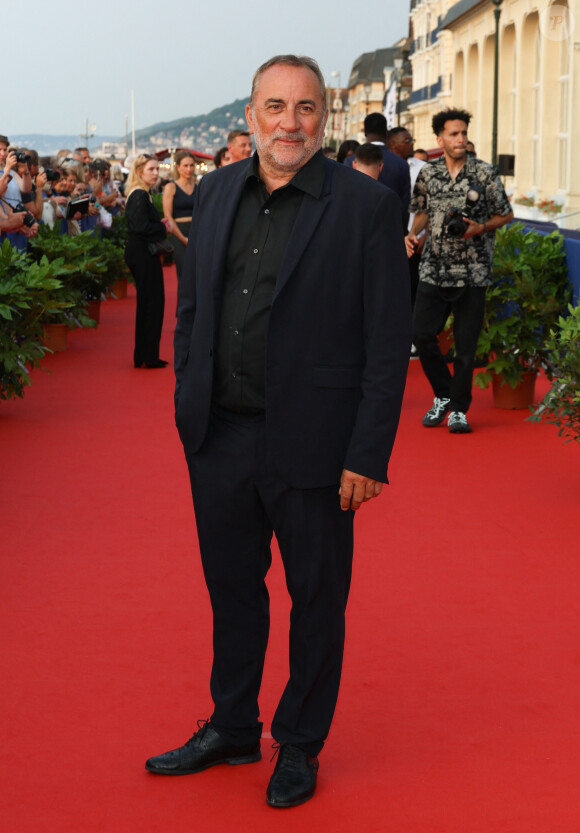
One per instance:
(156, 363)
(294, 778)
(206, 748)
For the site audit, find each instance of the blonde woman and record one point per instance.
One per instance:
(178, 204)
(144, 226)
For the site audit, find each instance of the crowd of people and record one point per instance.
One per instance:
(69, 190)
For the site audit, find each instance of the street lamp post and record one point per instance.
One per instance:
(368, 89)
(89, 132)
(497, 14)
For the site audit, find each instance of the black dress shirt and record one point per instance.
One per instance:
(258, 240)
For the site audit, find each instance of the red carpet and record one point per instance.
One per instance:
(459, 711)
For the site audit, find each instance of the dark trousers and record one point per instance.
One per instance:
(239, 502)
(179, 248)
(414, 263)
(433, 306)
(147, 273)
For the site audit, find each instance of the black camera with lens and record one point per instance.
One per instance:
(22, 156)
(51, 175)
(29, 219)
(454, 222)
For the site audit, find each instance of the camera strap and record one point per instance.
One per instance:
(4, 203)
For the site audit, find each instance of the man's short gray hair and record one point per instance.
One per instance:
(291, 61)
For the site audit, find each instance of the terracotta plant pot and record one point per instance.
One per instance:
(94, 310)
(119, 289)
(55, 337)
(521, 396)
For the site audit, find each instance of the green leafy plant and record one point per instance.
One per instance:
(117, 233)
(529, 201)
(561, 405)
(87, 261)
(530, 290)
(157, 200)
(28, 292)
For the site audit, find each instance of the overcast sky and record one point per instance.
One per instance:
(64, 62)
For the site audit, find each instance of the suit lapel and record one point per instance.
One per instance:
(309, 216)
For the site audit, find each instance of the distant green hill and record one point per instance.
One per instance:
(206, 132)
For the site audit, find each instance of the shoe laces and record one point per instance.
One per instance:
(293, 756)
(438, 406)
(457, 416)
(202, 726)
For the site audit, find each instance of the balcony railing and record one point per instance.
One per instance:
(426, 93)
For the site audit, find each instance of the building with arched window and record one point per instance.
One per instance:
(539, 72)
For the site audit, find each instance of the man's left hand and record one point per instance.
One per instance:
(356, 490)
(473, 228)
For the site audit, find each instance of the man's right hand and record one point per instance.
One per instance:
(14, 221)
(11, 161)
(30, 231)
(411, 243)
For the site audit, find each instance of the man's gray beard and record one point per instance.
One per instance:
(282, 135)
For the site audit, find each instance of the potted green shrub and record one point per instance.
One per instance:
(530, 290)
(561, 405)
(85, 258)
(117, 236)
(28, 293)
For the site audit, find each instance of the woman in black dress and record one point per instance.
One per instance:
(144, 226)
(178, 204)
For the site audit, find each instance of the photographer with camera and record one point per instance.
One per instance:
(34, 201)
(463, 202)
(16, 221)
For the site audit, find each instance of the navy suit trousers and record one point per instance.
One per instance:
(240, 501)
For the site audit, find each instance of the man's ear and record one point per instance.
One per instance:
(440, 141)
(249, 118)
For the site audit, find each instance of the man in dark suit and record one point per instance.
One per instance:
(395, 171)
(291, 351)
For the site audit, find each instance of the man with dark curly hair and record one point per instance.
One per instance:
(463, 201)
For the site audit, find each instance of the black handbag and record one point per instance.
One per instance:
(160, 247)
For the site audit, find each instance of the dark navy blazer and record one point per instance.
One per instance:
(339, 332)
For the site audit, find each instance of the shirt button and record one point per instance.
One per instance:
(266, 211)
(245, 291)
(255, 251)
(236, 332)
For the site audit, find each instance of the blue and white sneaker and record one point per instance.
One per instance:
(457, 423)
(436, 414)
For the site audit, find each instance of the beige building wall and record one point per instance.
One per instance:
(539, 76)
(432, 61)
(359, 107)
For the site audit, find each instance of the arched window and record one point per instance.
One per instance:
(514, 95)
(564, 118)
(536, 109)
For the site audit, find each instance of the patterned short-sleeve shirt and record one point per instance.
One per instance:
(454, 261)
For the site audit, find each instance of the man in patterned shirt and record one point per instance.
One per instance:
(463, 202)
